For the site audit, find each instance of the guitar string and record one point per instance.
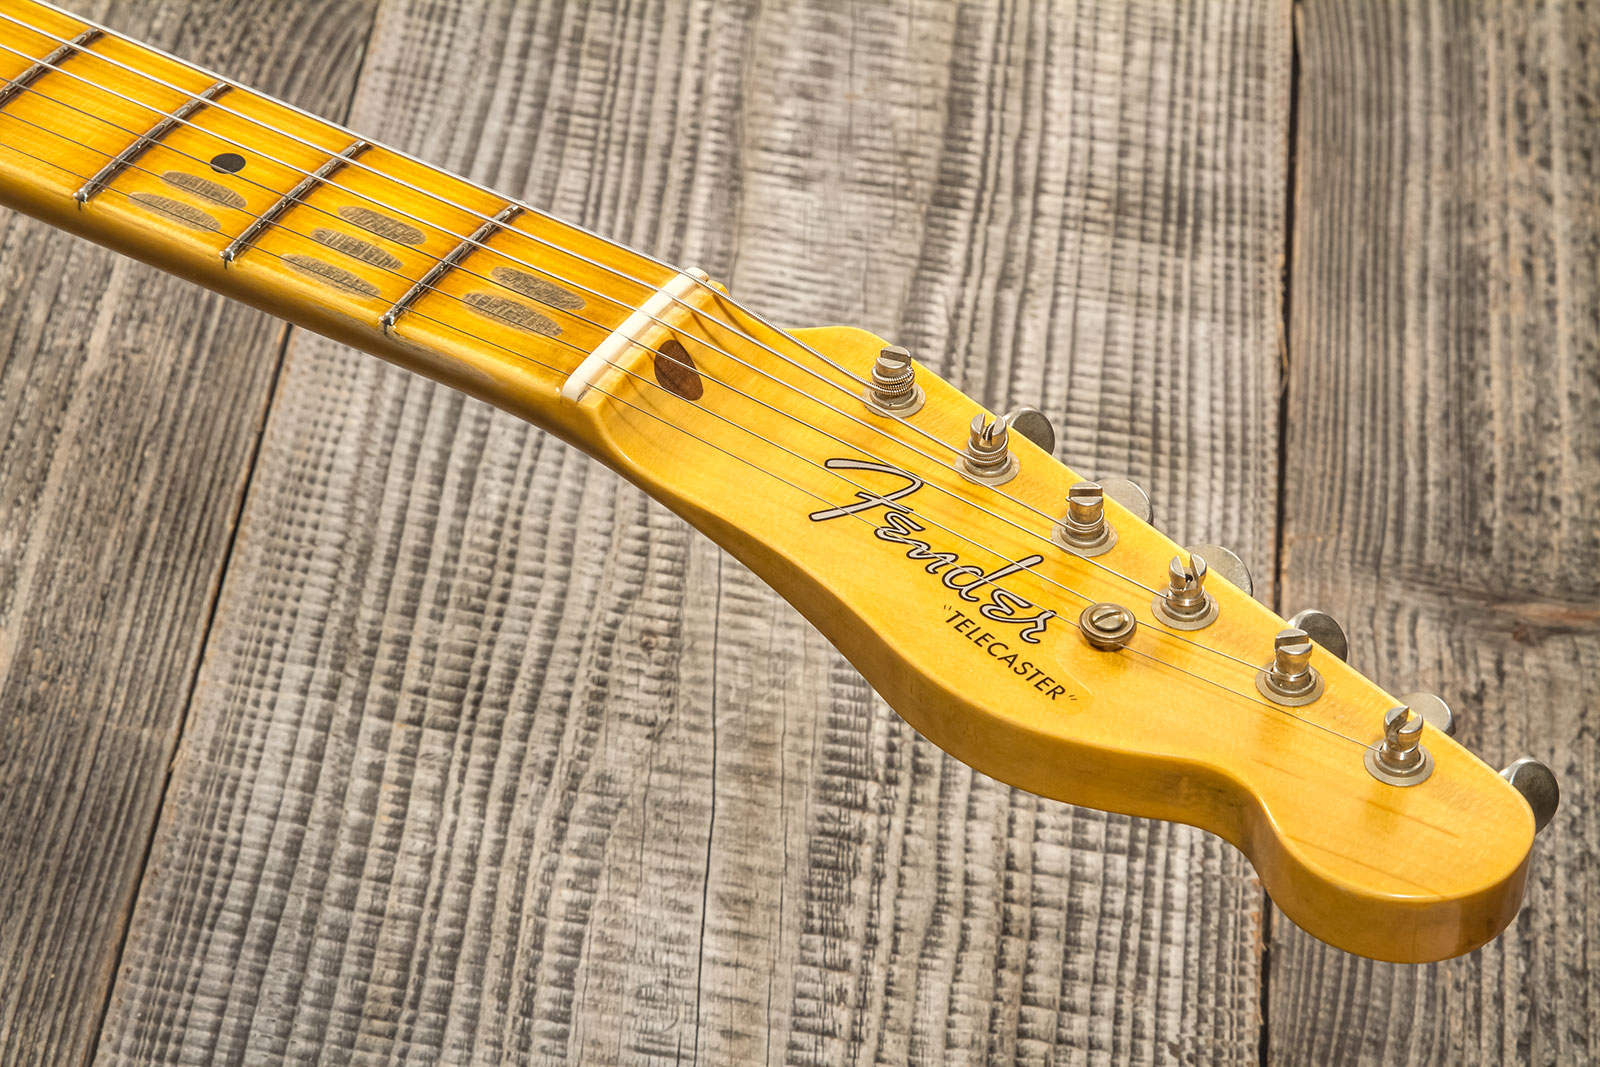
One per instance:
(806, 459)
(697, 312)
(531, 209)
(358, 163)
(361, 165)
(133, 165)
(1175, 635)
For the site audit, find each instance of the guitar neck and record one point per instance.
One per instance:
(246, 195)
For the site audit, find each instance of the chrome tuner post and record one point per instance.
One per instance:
(894, 389)
(1083, 529)
(1185, 604)
(1107, 626)
(987, 457)
(1290, 679)
(1400, 759)
(1537, 784)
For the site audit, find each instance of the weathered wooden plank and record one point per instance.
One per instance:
(493, 761)
(131, 405)
(1444, 453)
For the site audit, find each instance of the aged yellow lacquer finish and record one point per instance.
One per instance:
(871, 546)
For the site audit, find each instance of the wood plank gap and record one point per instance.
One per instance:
(1292, 162)
(125, 921)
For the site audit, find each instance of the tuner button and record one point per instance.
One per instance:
(1225, 563)
(987, 457)
(1034, 424)
(1537, 784)
(1433, 710)
(1083, 529)
(1290, 679)
(1129, 495)
(1326, 631)
(894, 389)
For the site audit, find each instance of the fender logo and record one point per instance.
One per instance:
(896, 526)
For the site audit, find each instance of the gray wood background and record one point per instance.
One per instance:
(343, 720)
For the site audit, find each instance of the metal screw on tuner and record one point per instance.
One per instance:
(1185, 604)
(1227, 564)
(1290, 679)
(1537, 784)
(987, 457)
(1107, 626)
(1084, 529)
(894, 389)
(1400, 758)
(1324, 630)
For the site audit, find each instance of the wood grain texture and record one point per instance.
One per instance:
(491, 760)
(1444, 451)
(131, 405)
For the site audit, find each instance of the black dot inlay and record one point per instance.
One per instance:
(227, 163)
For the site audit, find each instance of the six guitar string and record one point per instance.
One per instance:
(647, 286)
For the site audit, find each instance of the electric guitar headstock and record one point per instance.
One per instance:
(1036, 626)
(1030, 622)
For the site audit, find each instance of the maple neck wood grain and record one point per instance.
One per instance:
(186, 170)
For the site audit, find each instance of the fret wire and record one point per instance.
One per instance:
(449, 263)
(808, 349)
(297, 195)
(1175, 635)
(51, 61)
(144, 141)
(881, 431)
(981, 547)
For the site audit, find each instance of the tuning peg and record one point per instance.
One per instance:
(1185, 604)
(1399, 758)
(1084, 529)
(1326, 631)
(1226, 564)
(1034, 424)
(1432, 708)
(987, 457)
(894, 389)
(1537, 784)
(1129, 495)
(1290, 679)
